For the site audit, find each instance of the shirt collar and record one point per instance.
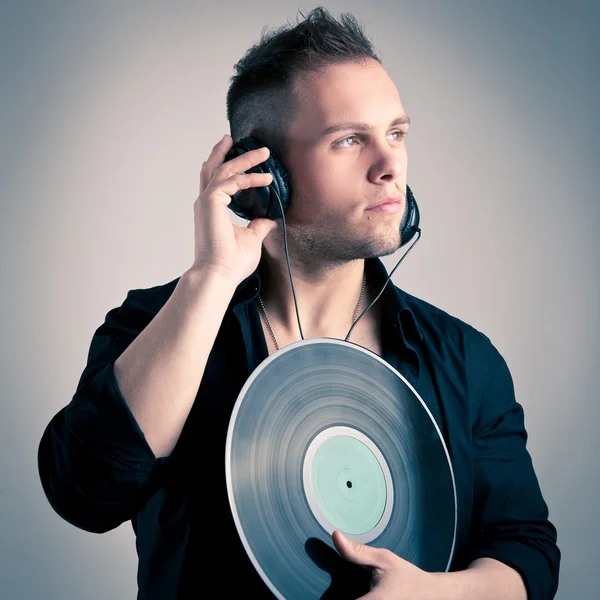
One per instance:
(394, 300)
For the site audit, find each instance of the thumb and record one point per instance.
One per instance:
(262, 227)
(356, 552)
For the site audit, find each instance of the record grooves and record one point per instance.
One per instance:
(326, 435)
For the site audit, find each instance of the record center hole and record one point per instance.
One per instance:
(349, 484)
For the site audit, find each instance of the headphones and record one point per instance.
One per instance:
(262, 201)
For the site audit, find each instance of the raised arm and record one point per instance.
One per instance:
(101, 456)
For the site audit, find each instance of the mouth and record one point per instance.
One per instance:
(391, 204)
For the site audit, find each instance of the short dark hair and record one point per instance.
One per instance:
(260, 99)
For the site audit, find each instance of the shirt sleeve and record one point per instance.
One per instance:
(94, 463)
(510, 517)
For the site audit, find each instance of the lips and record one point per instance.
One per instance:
(385, 201)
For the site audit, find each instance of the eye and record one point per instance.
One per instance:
(339, 143)
(401, 134)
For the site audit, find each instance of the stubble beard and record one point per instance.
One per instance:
(326, 247)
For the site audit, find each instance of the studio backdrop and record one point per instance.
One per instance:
(108, 109)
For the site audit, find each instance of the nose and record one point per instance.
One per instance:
(388, 162)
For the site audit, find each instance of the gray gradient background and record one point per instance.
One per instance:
(109, 109)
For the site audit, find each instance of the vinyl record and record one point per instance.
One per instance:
(326, 435)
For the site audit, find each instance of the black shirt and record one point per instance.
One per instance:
(98, 471)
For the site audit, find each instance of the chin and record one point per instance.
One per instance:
(385, 251)
(373, 248)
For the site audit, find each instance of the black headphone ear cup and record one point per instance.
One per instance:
(410, 220)
(280, 185)
(256, 202)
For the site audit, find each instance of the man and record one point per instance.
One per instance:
(144, 435)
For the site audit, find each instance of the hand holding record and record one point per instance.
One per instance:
(393, 578)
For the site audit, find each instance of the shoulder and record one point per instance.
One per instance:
(136, 310)
(453, 339)
(437, 323)
(464, 353)
(150, 299)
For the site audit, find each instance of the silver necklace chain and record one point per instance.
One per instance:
(269, 322)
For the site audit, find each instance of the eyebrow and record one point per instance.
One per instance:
(403, 119)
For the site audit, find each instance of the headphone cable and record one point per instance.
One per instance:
(287, 258)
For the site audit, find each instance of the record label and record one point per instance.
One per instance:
(347, 483)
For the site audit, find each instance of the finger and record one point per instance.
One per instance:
(238, 182)
(203, 179)
(358, 553)
(208, 166)
(240, 164)
(262, 227)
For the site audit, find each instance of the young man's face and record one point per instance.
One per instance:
(337, 176)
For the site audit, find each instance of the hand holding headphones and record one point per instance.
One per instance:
(220, 246)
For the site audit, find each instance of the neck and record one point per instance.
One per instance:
(327, 295)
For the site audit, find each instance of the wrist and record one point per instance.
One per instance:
(207, 285)
(444, 586)
(202, 275)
